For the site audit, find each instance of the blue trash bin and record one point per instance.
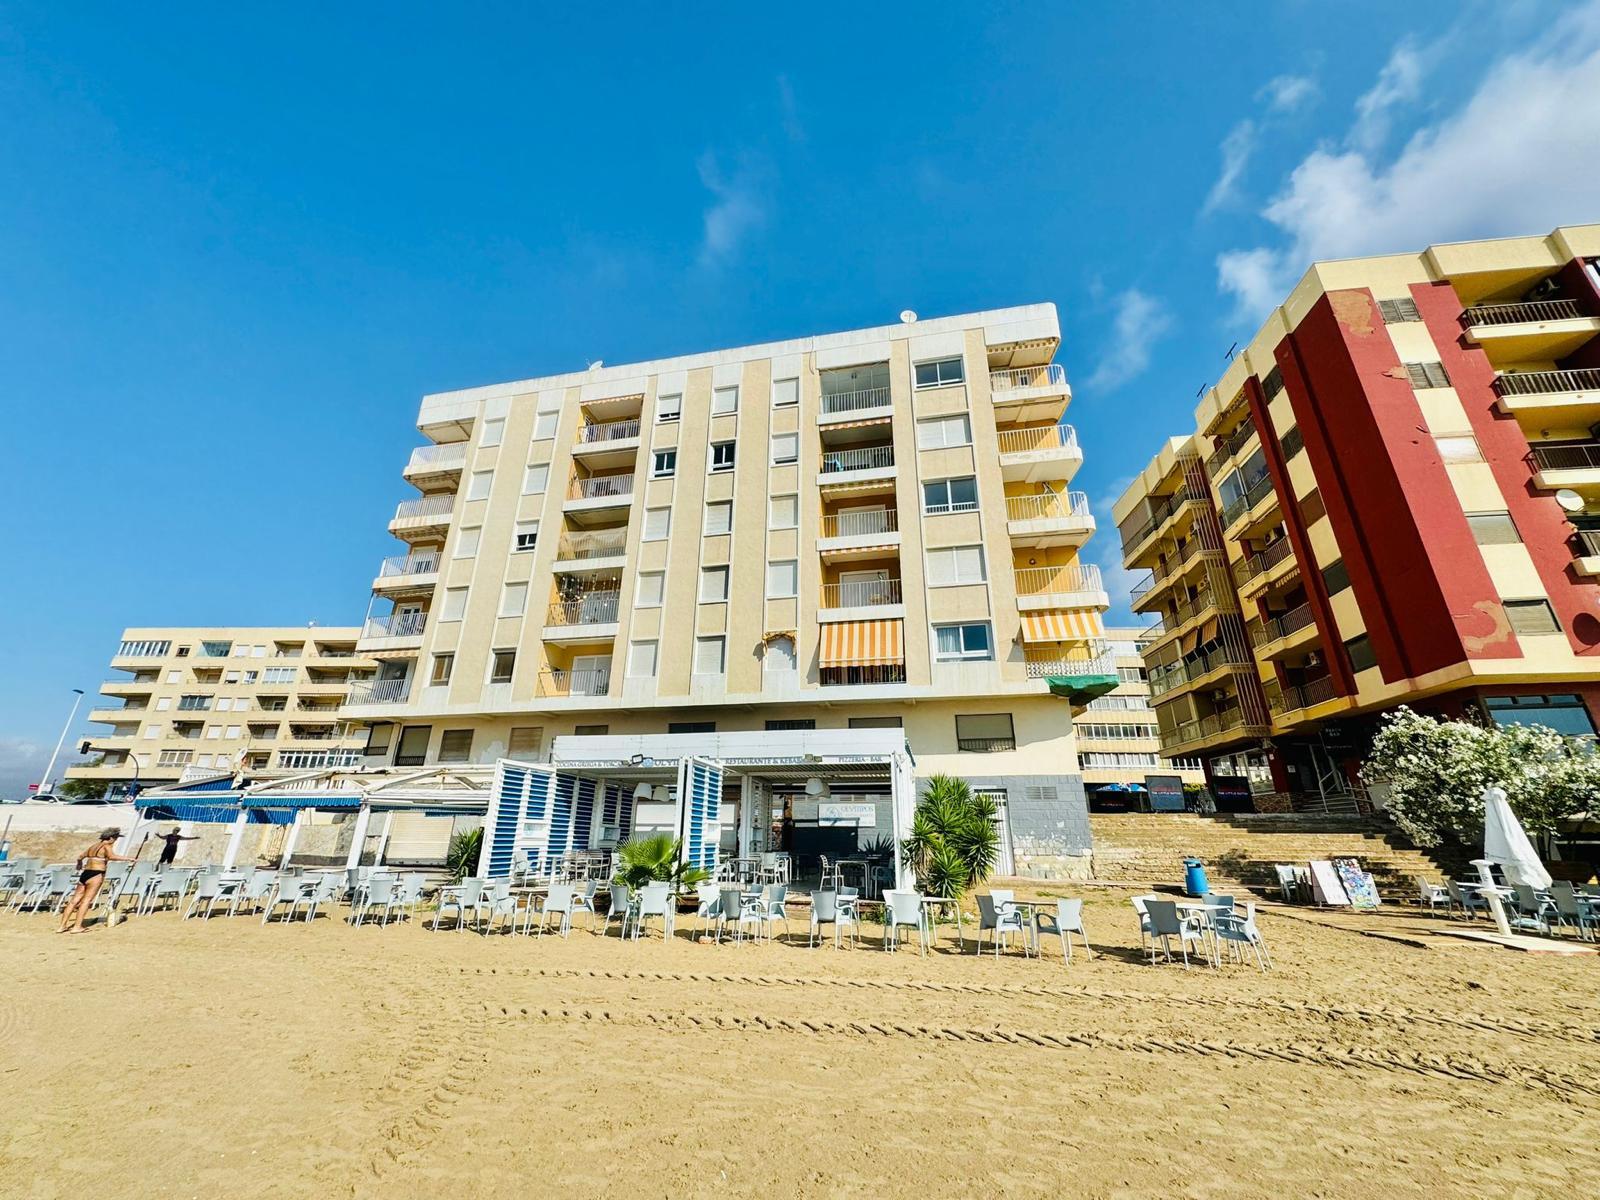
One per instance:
(1194, 877)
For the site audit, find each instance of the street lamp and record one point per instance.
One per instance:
(77, 699)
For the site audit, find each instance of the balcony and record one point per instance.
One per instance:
(589, 617)
(862, 404)
(395, 632)
(1162, 509)
(1254, 494)
(318, 760)
(862, 676)
(426, 516)
(1191, 735)
(1306, 695)
(1030, 393)
(436, 464)
(1558, 396)
(861, 465)
(607, 443)
(862, 599)
(1047, 454)
(1587, 561)
(1280, 634)
(1049, 519)
(376, 691)
(1576, 465)
(1195, 667)
(401, 573)
(1235, 442)
(1164, 575)
(864, 533)
(1258, 569)
(598, 493)
(1078, 586)
(586, 681)
(589, 549)
(1530, 331)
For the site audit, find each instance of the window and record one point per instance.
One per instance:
(1360, 651)
(785, 393)
(536, 480)
(455, 604)
(785, 448)
(713, 584)
(710, 655)
(230, 733)
(501, 666)
(214, 732)
(183, 651)
(277, 675)
(669, 407)
(642, 660)
(783, 512)
(250, 676)
(940, 373)
(590, 730)
(1272, 383)
(174, 758)
(663, 464)
(950, 495)
(1565, 714)
(152, 732)
(1335, 578)
(691, 726)
(876, 723)
(966, 642)
(657, 524)
(443, 664)
(652, 588)
(514, 600)
(525, 742)
(719, 517)
(526, 536)
(1427, 375)
(467, 541)
(955, 564)
(985, 733)
(478, 485)
(783, 579)
(544, 425)
(724, 400)
(230, 677)
(783, 724)
(455, 746)
(1458, 448)
(1532, 616)
(722, 456)
(163, 703)
(148, 649)
(777, 655)
(225, 704)
(1292, 443)
(413, 748)
(1396, 312)
(937, 432)
(215, 649)
(1312, 509)
(1493, 529)
(494, 430)
(174, 676)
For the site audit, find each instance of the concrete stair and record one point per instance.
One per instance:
(1149, 848)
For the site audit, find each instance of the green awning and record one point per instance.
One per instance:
(1080, 689)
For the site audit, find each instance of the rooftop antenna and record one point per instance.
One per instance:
(907, 316)
(1231, 350)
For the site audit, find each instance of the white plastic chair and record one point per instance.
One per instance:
(830, 908)
(559, 900)
(1239, 932)
(903, 910)
(172, 882)
(377, 893)
(774, 897)
(1166, 924)
(621, 909)
(708, 909)
(1065, 921)
(655, 900)
(1432, 895)
(211, 889)
(998, 915)
(583, 901)
(459, 897)
(1139, 903)
(496, 900)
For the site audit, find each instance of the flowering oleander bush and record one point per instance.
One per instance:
(1437, 770)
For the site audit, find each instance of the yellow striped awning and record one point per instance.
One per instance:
(1062, 625)
(862, 643)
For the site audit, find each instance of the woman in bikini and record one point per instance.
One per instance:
(91, 876)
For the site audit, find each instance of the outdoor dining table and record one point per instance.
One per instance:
(928, 902)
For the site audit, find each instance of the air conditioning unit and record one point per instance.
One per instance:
(1546, 289)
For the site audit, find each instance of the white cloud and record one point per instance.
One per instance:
(739, 209)
(1288, 93)
(21, 763)
(789, 111)
(1517, 157)
(1140, 322)
(1279, 96)
(1236, 150)
(1398, 83)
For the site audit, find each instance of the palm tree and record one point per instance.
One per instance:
(461, 859)
(657, 858)
(954, 844)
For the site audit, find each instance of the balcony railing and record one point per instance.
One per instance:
(1547, 383)
(317, 760)
(1099, 661)
(873, 397)
(1160, 513)
(862, 676)
(989, 745)
(1257, 491)
(425, 506)
(1206, 727)
(1044, 581)
(593, 543)
(1589, 541)
(586, 681)
(600, 487)
(1262, 561)
(375, 691)
(1166, 676)
(1521, 314)
(866, 523)
(595, 608)
(861, 593)
(864, 459)
(400, 564)
(1047, 506)
(1050, 377)
(608, 431)
(1030, 441)
(1230, 447)
(406, 624)
(447, 457)
(1274, 628)
(1310, 694)
(1580, 457)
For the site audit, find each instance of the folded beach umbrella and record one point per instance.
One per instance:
(1504, 842)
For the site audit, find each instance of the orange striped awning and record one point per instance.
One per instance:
(1062, 625)
(862, 643)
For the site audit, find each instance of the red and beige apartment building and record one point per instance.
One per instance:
(1392, 496)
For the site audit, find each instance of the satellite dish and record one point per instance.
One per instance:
(1569, 500)
(907, 316)
(597, 364)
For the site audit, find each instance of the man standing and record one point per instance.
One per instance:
(169, 850)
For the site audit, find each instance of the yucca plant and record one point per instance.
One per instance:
(954, 843)
(657, 858)
(461, 858)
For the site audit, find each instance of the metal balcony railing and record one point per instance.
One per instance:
(861, 593)
(587, 681)
(1030, 441)
(1281, 626)
(865, 523)
(425, 507)
(406, 624)
(1166, 676)
(400, 564)
(376, 691)
(864, 459)
(1161, 512)
(1050, 377)
(593, 543)
(859, 676)
(600, 487)
(1580, 457)
(1097, 659)
(1234, 443)
(872, 397)
(1547, 383)
(317, 760)
(1263, 561)
(1256, 491)
(1048, 506)
(438, 458)
(1520, 314)
(608, 431)
(1045, 581)
(594, 608)
(989, 745)
(1313, 692)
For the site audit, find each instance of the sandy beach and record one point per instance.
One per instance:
(223, 1058)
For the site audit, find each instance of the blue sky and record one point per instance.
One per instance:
(238, 247)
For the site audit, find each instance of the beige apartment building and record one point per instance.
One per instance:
(250, 701)
(1392, 496)
(861, 530)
